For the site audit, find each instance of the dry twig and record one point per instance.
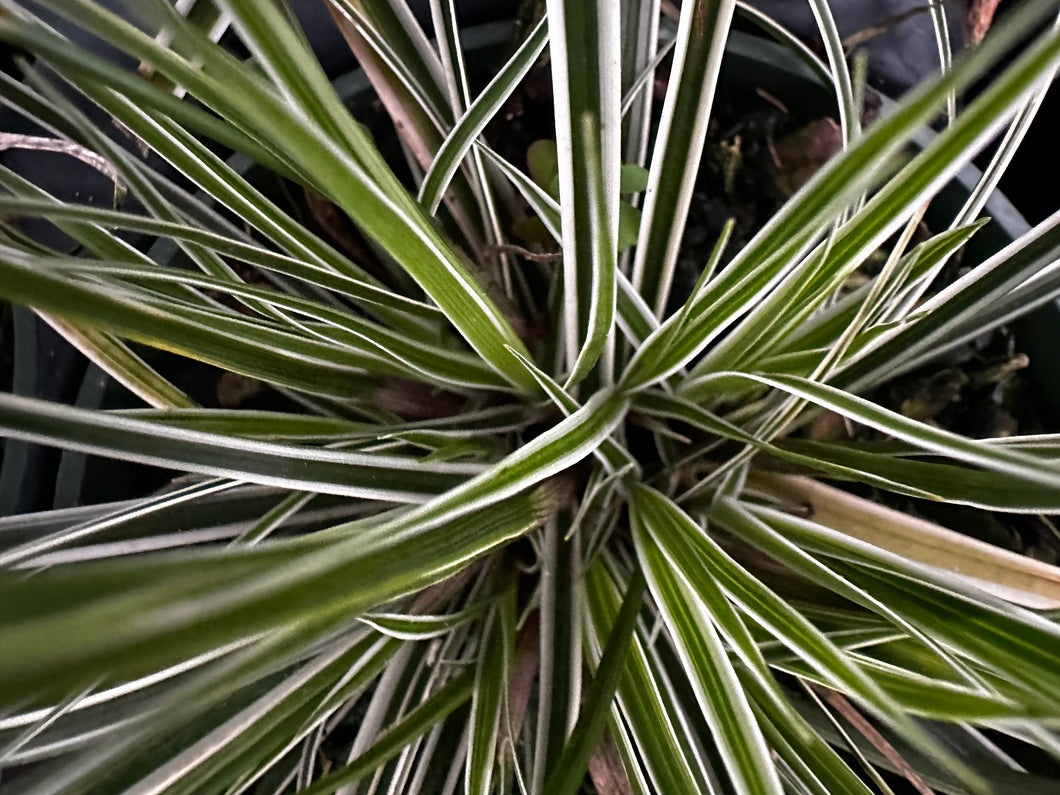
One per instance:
(880, 28)
(525, 253)
(842, 705)
(38, 143)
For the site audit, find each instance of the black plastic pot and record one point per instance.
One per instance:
(40, 478)
(903, 52)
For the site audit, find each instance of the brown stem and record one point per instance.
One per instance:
(980, 18)
(520, 688)
(606, 769)
(842, 705)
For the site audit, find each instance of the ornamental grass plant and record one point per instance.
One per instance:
(523, 516)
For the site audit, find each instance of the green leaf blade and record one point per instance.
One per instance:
(585, 51)
(717, 687)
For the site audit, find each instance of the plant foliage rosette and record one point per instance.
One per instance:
(529, 528)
